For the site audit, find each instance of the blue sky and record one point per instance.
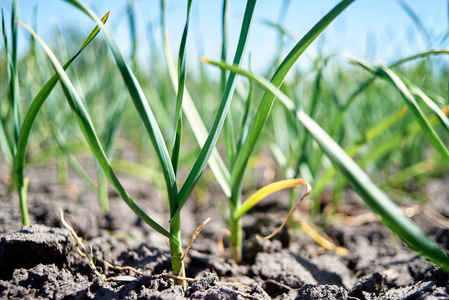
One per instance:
(377, 29)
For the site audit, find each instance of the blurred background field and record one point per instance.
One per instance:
(383, 30)
(364, 113)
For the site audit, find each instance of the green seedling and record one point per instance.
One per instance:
(30, 116)
(383, 126)
(252, 131)
(240, 142)
(411, 131)
(10, 121)
(239, 153)
(168, 166)
(387, 133)
(413, 105)
(373, 196)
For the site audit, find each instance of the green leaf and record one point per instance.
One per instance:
(246, 120)
(228, 129)
(414, 89)
(216, 163)
(180, 94)
(33, 111)
(413, 106)
(76, 166)
(206, 151)
(6, 142)
(419, 55)
(141, 104)
(339, 123)
(89, 133)
(380, 150)
(267, 190)
(268, 98)
(132, 29)
(14, 83)
(373, 196)
(25, 128)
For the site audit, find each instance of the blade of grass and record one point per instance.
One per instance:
(109, 136)
(132, 29)
(281, 29)
(6, 142)
(282, 160)
(306, 143)
(209, 145)
(224, 41)
(380, 150)
(376, 199)
(180, 94)
(141, 104)
(74, 163)
(246, 120)
(418, 169)
(216, 163)
(268, 98)
(36, 105)
(22, 141)
(228, 129)
(30, 117)
(14, 83)
(340, 121)
(266, 191)
(281, 33)
(414, 89)
(338, 126)
(146, 114)
(175, 219)
(413, 106)
(419, 55)
(113, 124)
(49, 153)
(89, 133)
(241, 161)
(138, 170)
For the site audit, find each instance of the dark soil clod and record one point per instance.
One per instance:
(33, 245)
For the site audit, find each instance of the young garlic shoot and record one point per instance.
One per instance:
(253, 130)
(373, 196)
(31, 114)
(265, 192)
(177, 198)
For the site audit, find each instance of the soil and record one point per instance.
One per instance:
(41, 261)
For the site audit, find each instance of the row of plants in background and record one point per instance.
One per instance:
(327, 119)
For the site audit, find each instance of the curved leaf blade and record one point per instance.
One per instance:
(209, 145)
(35, 107)
(181, 87)
(141, 104)
(412, 105)
(216, 163)
(373, 196)
(89, 133)
(267, 190)
(268, 98)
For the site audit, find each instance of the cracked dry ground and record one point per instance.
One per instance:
(41, 261)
